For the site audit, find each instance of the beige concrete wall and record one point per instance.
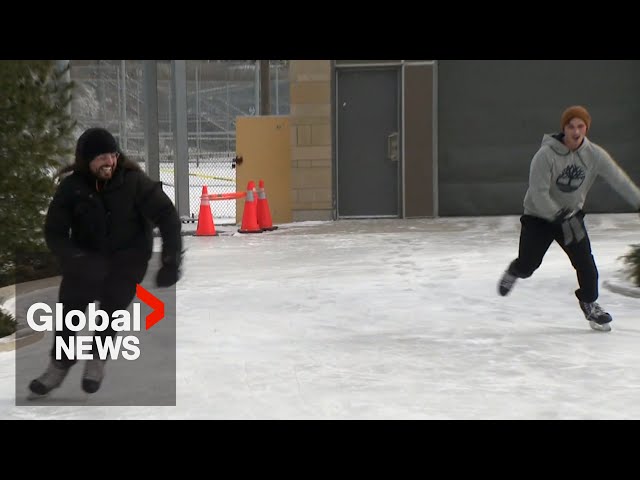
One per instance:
(310, 121)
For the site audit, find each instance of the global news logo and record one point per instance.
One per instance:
(80, 347)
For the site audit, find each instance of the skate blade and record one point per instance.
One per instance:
(604, 327)
(32, 396)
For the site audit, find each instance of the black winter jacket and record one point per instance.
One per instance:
(115, 221)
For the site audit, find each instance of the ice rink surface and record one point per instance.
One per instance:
(382, 319)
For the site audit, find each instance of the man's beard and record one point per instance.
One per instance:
(104, 173)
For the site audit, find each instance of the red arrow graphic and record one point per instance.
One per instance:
(154, 302)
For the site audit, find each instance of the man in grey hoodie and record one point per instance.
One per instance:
(561, 175)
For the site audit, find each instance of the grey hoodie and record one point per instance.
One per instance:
(560, 178)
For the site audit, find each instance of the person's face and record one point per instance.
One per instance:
(574, 133)
(104, 165)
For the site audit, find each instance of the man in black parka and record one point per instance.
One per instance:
(100, 226)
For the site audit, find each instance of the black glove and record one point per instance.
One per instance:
(572, 226)
(170, 272)
(84, 265)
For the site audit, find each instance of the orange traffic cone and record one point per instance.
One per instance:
(205, 217)
(264, 214)
(250, 213)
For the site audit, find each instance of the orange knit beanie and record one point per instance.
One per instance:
(575, 112)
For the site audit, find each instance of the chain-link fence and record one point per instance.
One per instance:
(110, 94)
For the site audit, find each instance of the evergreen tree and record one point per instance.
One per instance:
(632, 264)
(35, 138)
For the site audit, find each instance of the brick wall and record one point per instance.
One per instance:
(310, 120)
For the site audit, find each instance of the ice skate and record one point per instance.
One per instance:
(52, 378)
(598, 319)
(93, 375)
(506, 283)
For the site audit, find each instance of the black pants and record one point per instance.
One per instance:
(114, 292)
(536, 236)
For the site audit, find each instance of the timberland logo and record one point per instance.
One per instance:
(570, 179)
(79, 347)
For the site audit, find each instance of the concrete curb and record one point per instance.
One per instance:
(621, 288)
(23, 336)
(12, 343)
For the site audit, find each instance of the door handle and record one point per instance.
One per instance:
(236, 161)
(392, 147)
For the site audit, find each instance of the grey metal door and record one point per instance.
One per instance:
(367, 143)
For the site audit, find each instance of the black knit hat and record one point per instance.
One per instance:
(94, 142)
